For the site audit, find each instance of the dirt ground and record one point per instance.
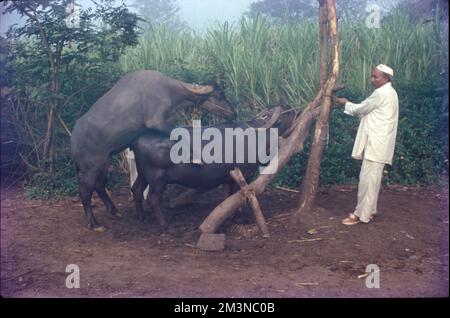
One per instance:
(319, 257)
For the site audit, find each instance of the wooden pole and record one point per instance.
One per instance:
(324, 39)
(311, 180)
(249, 194)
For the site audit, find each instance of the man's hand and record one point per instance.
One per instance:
(341, 101)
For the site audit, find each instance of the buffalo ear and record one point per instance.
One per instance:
(214, 84)
(275, 115)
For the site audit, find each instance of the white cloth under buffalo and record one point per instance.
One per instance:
(133, 171)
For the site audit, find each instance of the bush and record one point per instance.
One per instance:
(64, 182)
(45, 185)
(420, 149)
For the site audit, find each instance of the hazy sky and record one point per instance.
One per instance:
(197, 13)
(5, 19)
(200, 13)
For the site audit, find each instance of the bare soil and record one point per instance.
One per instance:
(318, 257)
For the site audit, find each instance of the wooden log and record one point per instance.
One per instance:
(323, 23)
(211, 242)
(237, 175)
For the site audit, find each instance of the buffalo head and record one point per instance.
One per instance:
(277, 117)
(214, 101)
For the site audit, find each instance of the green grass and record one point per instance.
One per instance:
(262, 64)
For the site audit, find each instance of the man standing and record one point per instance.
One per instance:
(375, 140)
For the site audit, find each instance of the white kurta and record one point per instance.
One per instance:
(377, 130)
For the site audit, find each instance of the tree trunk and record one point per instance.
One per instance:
(49, 144)
(311, 181)
(323, 22)
(237, 175)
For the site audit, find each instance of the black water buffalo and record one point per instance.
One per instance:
(155, 167)
(141, 101)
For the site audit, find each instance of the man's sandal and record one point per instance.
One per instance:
(351, 220)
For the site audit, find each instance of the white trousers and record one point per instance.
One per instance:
(368, 189)
(133, 174)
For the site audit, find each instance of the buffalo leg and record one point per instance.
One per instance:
(100, 188)
(86, 188)
(156, 194)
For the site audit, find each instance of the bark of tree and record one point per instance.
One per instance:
(237, 175)
(311, 181)
(49, 151)
(323, 23)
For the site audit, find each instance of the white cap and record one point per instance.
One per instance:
(385, 69)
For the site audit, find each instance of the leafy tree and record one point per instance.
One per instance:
(360, 9)
(289, 10)
(57, 38)
(297, 10)
(160, 12)
(429, 10)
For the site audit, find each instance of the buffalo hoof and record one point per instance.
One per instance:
(100, 228)
(164, 227)
(141, 217)
(117, 215)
